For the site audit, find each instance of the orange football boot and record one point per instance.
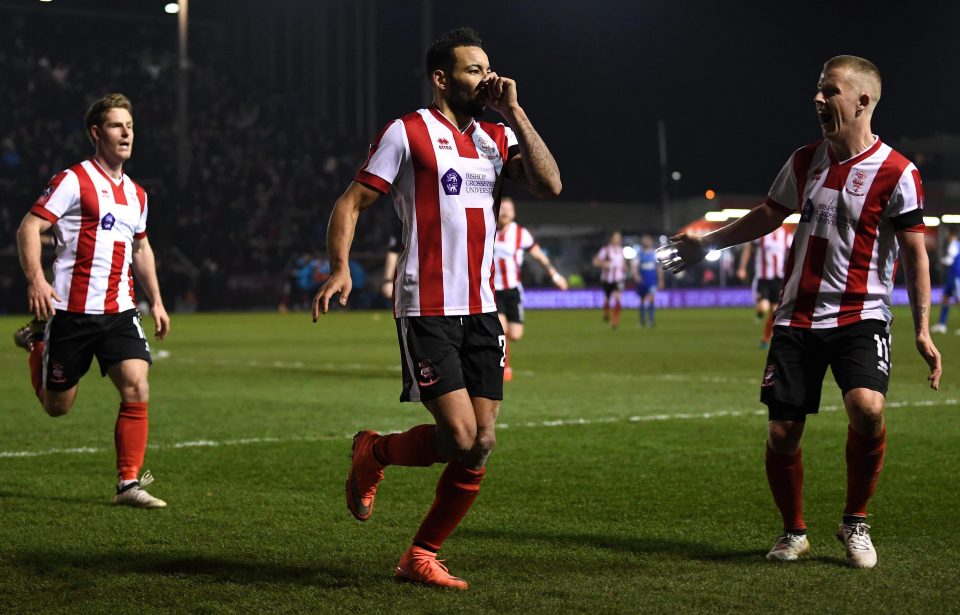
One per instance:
(419, 565)
(365, 474)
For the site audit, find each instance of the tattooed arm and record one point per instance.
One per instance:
(916, 269)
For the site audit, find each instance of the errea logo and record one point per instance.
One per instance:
(443, 143)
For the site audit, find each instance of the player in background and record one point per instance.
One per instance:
(613, 274)
(951, 267)
(508, 250)
(860, 203)
(648, 275)
(770, 254)
(444, 170)
(99, 217)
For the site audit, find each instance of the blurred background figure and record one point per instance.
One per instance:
(770, 254)
(951, 267)
(508, 249)
(649, 278)
(613, 274)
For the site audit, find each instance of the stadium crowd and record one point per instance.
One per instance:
(263, 177)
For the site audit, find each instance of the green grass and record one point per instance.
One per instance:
(628, 477)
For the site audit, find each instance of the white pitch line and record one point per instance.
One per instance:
(530, 424)
(301, 365)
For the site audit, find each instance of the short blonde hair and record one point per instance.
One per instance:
(99, 109)
(866, 73)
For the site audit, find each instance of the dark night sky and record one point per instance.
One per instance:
(734, 81)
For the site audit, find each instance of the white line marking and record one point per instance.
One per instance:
(301, 365)
(644, 418)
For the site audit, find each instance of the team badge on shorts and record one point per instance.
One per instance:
(427, 373)
(56, 374)
(769, 375)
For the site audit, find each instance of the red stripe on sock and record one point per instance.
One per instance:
(413, 447)
(864, 463)
(785, 476)
(456, 490)
(130, 438)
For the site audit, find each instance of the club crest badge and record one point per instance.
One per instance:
(769, 376)
(452, 182)
(426, 373)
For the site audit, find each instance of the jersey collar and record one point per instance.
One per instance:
(443, 120)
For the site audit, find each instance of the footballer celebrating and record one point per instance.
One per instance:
(99, 218)
(444, 169)
(860, 205)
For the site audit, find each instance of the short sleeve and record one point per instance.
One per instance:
(908, 195)
(60, 196)
(783, 194)
(513, 146)
(526, 239)
(387, 153)
(905, 208)
(141, 231)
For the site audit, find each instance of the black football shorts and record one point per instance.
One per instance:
(858, 355)
(510, 304)
(769, 289)
(440, 354)
(72, 340)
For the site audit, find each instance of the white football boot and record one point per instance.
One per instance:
(938, 328)
(789, 548)
(135, 496)
(856, 539)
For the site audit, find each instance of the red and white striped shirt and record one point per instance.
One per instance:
(613, 264)
(95, 220)
(840, 268)
(445, 186)
(508, 250)
(771, 253)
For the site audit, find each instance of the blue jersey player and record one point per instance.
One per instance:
(649, 277)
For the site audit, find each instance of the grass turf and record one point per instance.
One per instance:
(628, 477)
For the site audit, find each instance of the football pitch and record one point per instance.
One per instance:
(628, 477)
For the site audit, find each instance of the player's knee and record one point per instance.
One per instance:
(136, 391)
(459, 440)
(56, 407)
(784, 436)
(865, 407)
(485, 443)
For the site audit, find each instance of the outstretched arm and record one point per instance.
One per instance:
(916, 270)
(343, 225)
(690, 249)
(534, 167)
(538, 255)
